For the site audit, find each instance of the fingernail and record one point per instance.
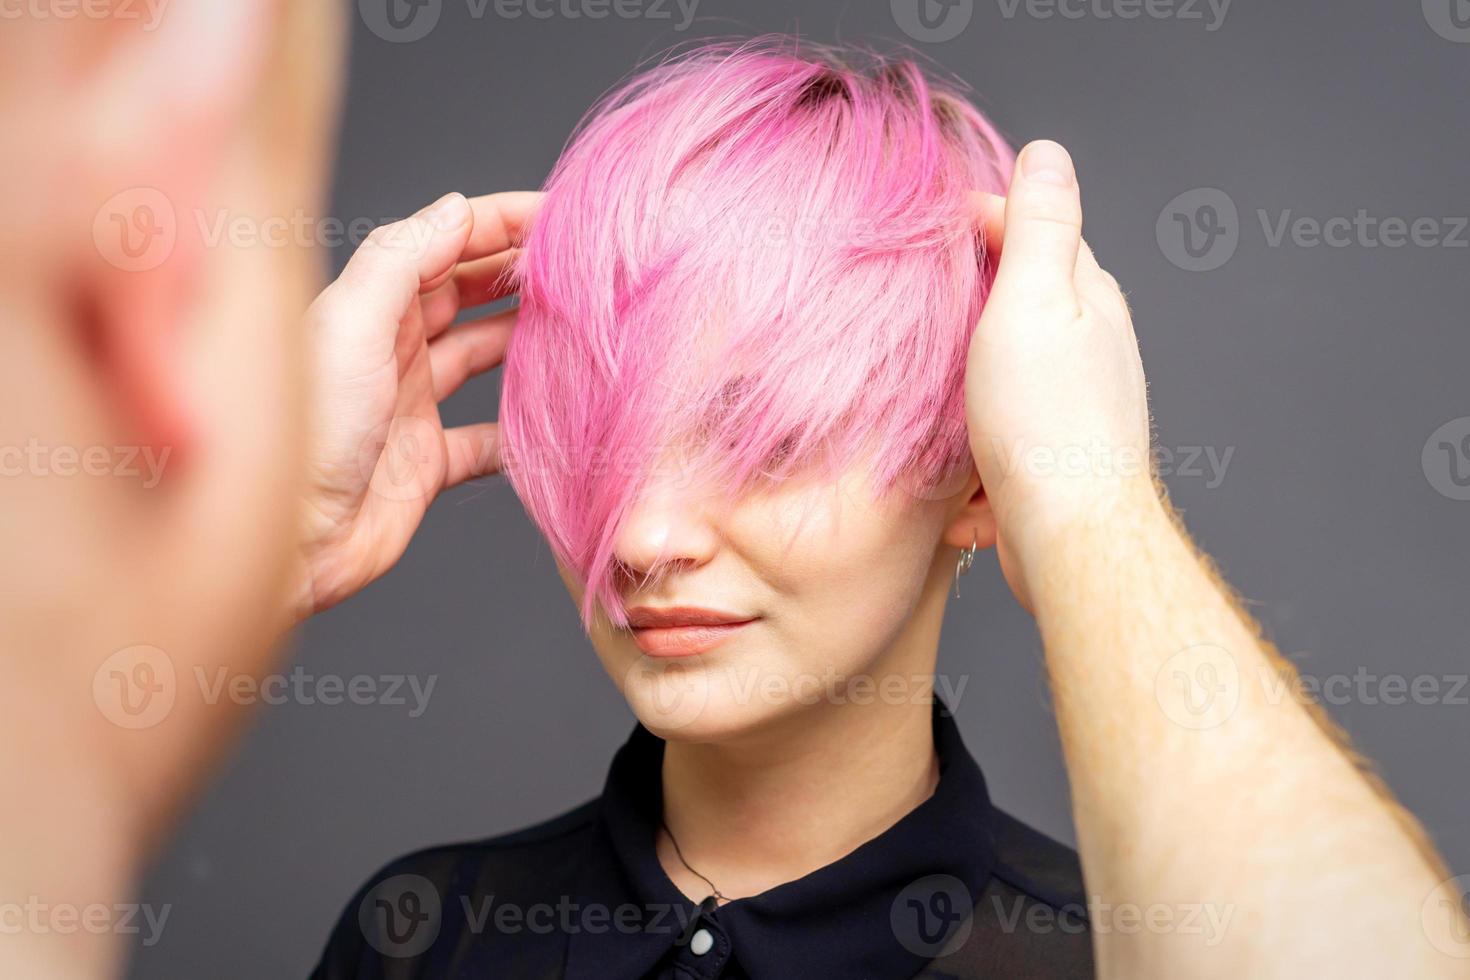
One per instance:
(447, 213)
(1046, 162)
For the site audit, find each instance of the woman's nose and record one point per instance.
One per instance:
(667, 524)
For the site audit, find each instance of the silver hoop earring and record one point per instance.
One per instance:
(966, 559)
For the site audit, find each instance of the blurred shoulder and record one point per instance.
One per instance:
(537, 851)
(1038, 867)
(437, 901)
(1030, 922)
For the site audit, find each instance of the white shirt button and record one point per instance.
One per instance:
(701, 942)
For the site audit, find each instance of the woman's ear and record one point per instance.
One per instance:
(156, 104)
(972, 521)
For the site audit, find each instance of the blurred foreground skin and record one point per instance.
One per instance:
(228, 105)
(221, 105)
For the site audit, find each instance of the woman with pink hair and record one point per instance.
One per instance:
(768, 393)
(734, 402)
(747, 402)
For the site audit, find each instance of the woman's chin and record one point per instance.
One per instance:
(689, 705)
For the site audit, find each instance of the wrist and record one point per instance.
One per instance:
(301, 598)
(1046, 525)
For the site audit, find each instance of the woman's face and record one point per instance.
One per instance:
(841, 591)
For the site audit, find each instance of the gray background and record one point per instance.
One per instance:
(1324, 369)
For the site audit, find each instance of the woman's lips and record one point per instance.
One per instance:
(684, 641)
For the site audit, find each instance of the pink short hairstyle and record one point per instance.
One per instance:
(763, 254)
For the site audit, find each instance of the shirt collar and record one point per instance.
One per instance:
(852, 918)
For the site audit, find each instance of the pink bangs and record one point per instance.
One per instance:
(753, 260)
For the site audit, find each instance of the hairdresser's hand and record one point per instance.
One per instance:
(384, 356)
(1055, 393)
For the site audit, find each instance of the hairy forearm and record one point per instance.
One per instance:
(1204, 790)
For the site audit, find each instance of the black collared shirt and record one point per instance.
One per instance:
(954, 889)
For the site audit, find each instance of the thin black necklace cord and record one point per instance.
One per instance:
(715, 892)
